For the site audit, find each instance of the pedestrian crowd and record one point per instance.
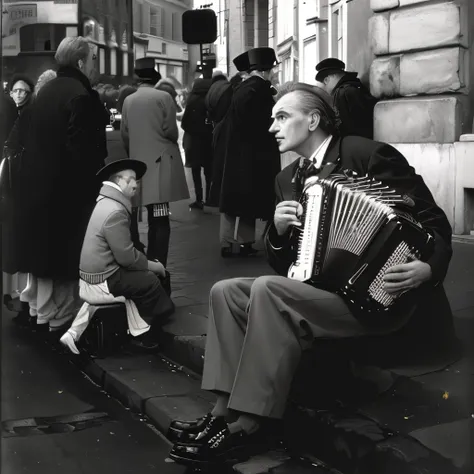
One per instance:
(70, 221)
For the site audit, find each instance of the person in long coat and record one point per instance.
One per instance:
(259, 327)
(197, 140)
(218, 101)
(15, 282)
(352, 101)
(252, 159)
(66, 146)
(150, 134)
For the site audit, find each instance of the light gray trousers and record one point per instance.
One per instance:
(256, 332)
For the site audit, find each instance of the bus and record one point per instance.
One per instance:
(32, 30)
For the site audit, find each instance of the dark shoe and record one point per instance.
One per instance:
(223, 447)
(197, 205)
(23, 318)
(194, 426)
(247, 251)
(200, 435)
(226, 252)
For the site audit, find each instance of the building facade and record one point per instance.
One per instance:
(157, 26)
(423, 75)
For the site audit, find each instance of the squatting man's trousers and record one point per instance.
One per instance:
(256, 332)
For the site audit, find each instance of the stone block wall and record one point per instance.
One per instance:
(423, 49)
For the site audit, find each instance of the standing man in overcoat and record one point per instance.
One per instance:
(150, 134)
(252, 159)
(66, 146)
(352, 101)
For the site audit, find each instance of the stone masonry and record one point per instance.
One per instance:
(422, 73)
(422, 49)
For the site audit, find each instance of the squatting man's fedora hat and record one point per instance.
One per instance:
(329, 66)
(120, 165)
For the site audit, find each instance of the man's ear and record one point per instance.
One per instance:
(80, 64)
(313, 121)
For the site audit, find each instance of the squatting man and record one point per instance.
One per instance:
(111, 266)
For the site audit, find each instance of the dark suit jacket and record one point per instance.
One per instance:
(381, 161)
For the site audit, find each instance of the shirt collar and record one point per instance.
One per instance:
(318, 156)
(114, 185)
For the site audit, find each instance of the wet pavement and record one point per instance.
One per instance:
(55, 420)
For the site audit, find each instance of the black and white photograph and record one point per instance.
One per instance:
(237, 236)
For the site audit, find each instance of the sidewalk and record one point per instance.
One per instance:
(421, 424)
(433, 409)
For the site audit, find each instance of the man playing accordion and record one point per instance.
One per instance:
(258, 327)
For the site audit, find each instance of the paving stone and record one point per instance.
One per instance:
(119, 363)
(163, 410)
(186, 323)
(451, 440)
(425, 27)
(134, 387)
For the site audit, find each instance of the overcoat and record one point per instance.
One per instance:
(428, 330)
(252, 159)
(354, 106)
(65, 148)
(197, 138)
(150, 134)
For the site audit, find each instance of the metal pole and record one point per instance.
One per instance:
(1, 44)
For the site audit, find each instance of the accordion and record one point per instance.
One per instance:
(354, 229)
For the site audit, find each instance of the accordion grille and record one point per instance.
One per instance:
(400, 255)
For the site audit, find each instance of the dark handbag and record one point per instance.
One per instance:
(107, 332)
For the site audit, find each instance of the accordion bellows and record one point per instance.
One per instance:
(353, 230)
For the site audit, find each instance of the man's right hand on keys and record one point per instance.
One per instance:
(286, 214)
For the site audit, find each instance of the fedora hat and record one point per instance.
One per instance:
(145, 69)
(328, 66)
(262, 59)
(120, 165)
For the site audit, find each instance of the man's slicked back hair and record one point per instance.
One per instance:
(71, 50)
(313, 99)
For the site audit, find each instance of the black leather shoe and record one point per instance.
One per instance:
(222, 447)
(177, 427)
(200, 435)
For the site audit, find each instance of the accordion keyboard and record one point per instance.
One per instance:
(302, 268)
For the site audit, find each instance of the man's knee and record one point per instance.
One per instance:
(267, 283)
(222, 287)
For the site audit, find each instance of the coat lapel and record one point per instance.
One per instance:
(116, 195)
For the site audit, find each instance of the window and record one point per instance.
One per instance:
(310, 59)
(125, 64)
(101, 61)
(337, 41)
(41, 37)
(157, 20)
(113, 62)
(175, 26)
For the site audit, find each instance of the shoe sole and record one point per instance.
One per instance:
(233, 456)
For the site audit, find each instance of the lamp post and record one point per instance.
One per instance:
(1, 44)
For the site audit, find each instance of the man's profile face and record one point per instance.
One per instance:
(128, 182)
(89, 66)
(290, 124)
